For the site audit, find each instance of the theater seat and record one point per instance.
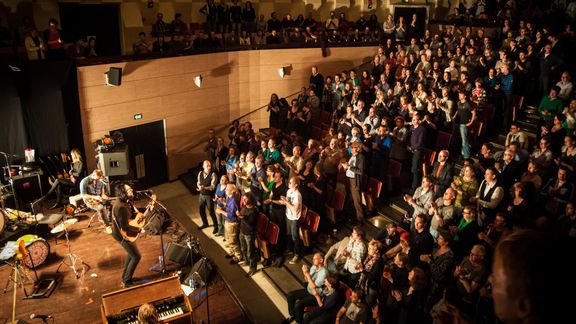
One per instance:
(372, 193)
(270, 239)
(309, 228)
(261, 228)
(335, 205)
(393, 176)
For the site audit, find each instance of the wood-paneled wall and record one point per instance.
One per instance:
(235, 83)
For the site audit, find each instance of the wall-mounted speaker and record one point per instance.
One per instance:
(114, 77)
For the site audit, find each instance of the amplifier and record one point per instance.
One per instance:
(114, 163)
(27, 188)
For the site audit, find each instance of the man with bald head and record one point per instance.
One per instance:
(206, 186)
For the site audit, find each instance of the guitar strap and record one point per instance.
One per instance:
(118, 227)
(115, 220)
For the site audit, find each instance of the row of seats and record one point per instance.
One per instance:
(267, 232)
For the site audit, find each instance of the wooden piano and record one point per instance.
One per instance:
(173, 306)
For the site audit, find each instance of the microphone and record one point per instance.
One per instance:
(147, 192)
(33, 316)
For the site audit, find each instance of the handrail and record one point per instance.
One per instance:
(226, 126)
(188, 149)
(211, 50)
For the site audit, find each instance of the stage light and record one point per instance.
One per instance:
(198, 81)
(282, 72)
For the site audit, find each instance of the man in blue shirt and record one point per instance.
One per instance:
(231, 224)
(314, 277)
(506, 83)
(380, 153)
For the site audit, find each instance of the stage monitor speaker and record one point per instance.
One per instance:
(179, 254)
(114, 77)
(200, 273)
(155, 222)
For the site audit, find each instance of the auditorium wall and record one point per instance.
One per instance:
(235, 83)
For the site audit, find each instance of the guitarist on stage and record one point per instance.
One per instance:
(93, 191)
(122, 231)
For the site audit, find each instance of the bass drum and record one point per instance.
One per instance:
(2, 221)
(38, 250)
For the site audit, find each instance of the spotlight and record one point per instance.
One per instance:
(282, 72)
(198, 81)
(285, 70)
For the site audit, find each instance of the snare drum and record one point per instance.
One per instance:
(37, 248)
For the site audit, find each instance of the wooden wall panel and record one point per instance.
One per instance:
(122, 115)
(104, 95)
(235, 84)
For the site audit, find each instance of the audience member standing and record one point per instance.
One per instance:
(354, 169)
(293, 203)
(206, 185)
(54, 41)
(35, 47)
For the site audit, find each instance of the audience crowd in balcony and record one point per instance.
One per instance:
(235, 26)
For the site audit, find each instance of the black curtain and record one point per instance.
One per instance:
(13, 130)
(39, 108)
(43, 104)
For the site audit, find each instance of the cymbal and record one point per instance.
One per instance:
(64, 225)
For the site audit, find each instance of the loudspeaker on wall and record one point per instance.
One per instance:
(114, 77)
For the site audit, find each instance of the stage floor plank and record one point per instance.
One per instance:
(78, 300)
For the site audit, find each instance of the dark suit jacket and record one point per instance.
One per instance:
(444, 179)
(510, 173)
(358, 169)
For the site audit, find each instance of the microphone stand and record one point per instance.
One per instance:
(204, 260)
(11, 182)
(163, 256)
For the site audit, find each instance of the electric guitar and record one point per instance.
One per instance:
(138, 221)
(93, 201)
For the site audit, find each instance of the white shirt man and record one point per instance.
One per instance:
(293, 202)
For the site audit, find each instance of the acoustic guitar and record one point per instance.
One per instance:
(138, 221)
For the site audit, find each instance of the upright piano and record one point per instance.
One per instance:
(166, 295)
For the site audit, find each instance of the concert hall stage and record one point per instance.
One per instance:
(231, 299)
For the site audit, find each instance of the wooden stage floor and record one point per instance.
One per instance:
(78, 300)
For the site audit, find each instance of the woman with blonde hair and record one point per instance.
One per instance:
(70, 179)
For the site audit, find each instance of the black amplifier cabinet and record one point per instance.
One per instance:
(27, 188)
